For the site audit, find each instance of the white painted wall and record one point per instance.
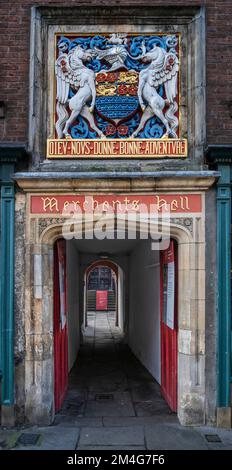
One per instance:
(120, 301)
(73, 302)
(144, 307)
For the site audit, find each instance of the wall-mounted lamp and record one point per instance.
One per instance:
(2, 109)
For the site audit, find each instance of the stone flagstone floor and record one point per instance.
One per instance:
(114, 403)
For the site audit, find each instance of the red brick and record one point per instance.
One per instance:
(14, 71)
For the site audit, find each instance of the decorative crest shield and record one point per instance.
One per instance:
(117, 100)
(117, 87)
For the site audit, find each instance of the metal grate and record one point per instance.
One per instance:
(212, 438)
(104, 396)
(27, 439)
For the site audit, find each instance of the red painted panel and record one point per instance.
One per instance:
(57, 203)
(101, 300)
(60, 325)
(169, 325)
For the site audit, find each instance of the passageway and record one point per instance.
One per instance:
(107, 381)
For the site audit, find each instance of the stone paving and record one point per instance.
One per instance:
(114, 403)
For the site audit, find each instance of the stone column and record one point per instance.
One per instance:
(191, 335)
(39, 376)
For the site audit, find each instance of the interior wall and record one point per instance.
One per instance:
(120, 300)
(73, 303)
(144, 311)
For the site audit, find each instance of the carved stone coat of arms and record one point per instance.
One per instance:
(117, 86)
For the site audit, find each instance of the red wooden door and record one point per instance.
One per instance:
(101, 300)
(169, 325)
(60, 325)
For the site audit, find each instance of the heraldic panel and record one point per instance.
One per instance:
(117, 95)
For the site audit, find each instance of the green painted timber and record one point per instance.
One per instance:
(7, 293)
(224, 285)
(10, 154)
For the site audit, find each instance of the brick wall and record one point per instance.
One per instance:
(14, 70)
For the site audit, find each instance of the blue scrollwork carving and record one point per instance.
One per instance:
(153, 129)
(83, 42)
(171, 41)
(63, 44)
(98, 41)
(81, 130)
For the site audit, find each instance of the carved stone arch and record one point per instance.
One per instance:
(50, 234)
(191, 320)
(54, 231)
(115, 267)
(109, 263)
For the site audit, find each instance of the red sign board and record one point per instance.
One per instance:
(101, 299)
(59, 204)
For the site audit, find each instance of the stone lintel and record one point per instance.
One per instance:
(120, 13)
(89, 182)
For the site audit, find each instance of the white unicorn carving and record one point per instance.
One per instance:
(163, 69)
(71, 72)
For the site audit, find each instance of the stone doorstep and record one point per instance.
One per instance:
(8, 439)
(53, 438)
(110, 448)
(111, 436)
(118, 433)
(224, 417)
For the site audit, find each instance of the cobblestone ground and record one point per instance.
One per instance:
(113, 403)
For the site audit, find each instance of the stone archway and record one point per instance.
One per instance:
(39, 373)
(100, 263)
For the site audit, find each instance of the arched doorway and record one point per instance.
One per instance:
(186, 245)
(103, 289)
(152, 322)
